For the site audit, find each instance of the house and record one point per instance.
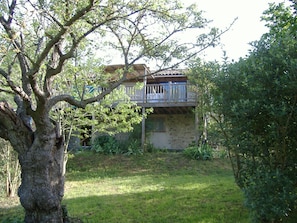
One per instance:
(168, 92)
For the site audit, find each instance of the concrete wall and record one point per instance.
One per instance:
(178, 133)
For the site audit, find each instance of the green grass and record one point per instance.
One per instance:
(152, 188)
(158, 187)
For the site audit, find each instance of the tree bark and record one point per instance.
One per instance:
(42, 186)
(41, 157)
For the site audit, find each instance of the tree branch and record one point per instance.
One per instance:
(46, 51)
(83, 103)
(18, 46)
(7, 91)
(12, 127)
(11, 11)
(59, 35)
(16, 89)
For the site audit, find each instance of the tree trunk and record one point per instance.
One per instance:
(41, 156)
(42, 186)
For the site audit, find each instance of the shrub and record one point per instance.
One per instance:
(109, 145)
(150, 148)
(203, 152)
(270, 195)
(221, 153)
(133, 147)
(106, 144)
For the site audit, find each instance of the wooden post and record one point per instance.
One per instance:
(196, 127)
(143, 112)
(143, 130)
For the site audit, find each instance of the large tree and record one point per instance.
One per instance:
(40, 39)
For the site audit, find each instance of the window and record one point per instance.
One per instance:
(156, 124)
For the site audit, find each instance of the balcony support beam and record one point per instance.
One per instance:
(143, 130)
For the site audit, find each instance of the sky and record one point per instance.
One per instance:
(246, 29)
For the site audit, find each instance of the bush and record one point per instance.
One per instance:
(270, 195)
(203, 152)
(133, 148)
(109, 145)
(221, 153)
(150, 148)
(106, 144)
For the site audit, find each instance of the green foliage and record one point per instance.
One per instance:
(106, 145)
(256, 105)
(115, 113)
(10, 172)
(201, 75)
(134, 147)
(12, 220)
(270, 195)
(202, 152)
(221, 153)
(150, 148)
(258, 101)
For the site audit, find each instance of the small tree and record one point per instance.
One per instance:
(201, 75)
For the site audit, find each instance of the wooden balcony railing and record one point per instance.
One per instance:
(162, 93)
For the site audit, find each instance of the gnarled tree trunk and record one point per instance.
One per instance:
(42, 185)
(41, 156)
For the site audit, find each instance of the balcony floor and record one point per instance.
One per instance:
(172, 109)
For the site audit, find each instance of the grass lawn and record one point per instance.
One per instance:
(153, 188)
(149, 188)
(158, 187)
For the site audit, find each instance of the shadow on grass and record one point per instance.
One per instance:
(12, 214)
(157, 206)
(92, 165)
(155, 188)
(170, 205)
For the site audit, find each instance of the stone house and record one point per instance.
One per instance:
(173, 121)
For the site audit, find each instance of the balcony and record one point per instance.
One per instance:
(163, 95)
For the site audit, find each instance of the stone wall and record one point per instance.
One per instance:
(178, 133)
